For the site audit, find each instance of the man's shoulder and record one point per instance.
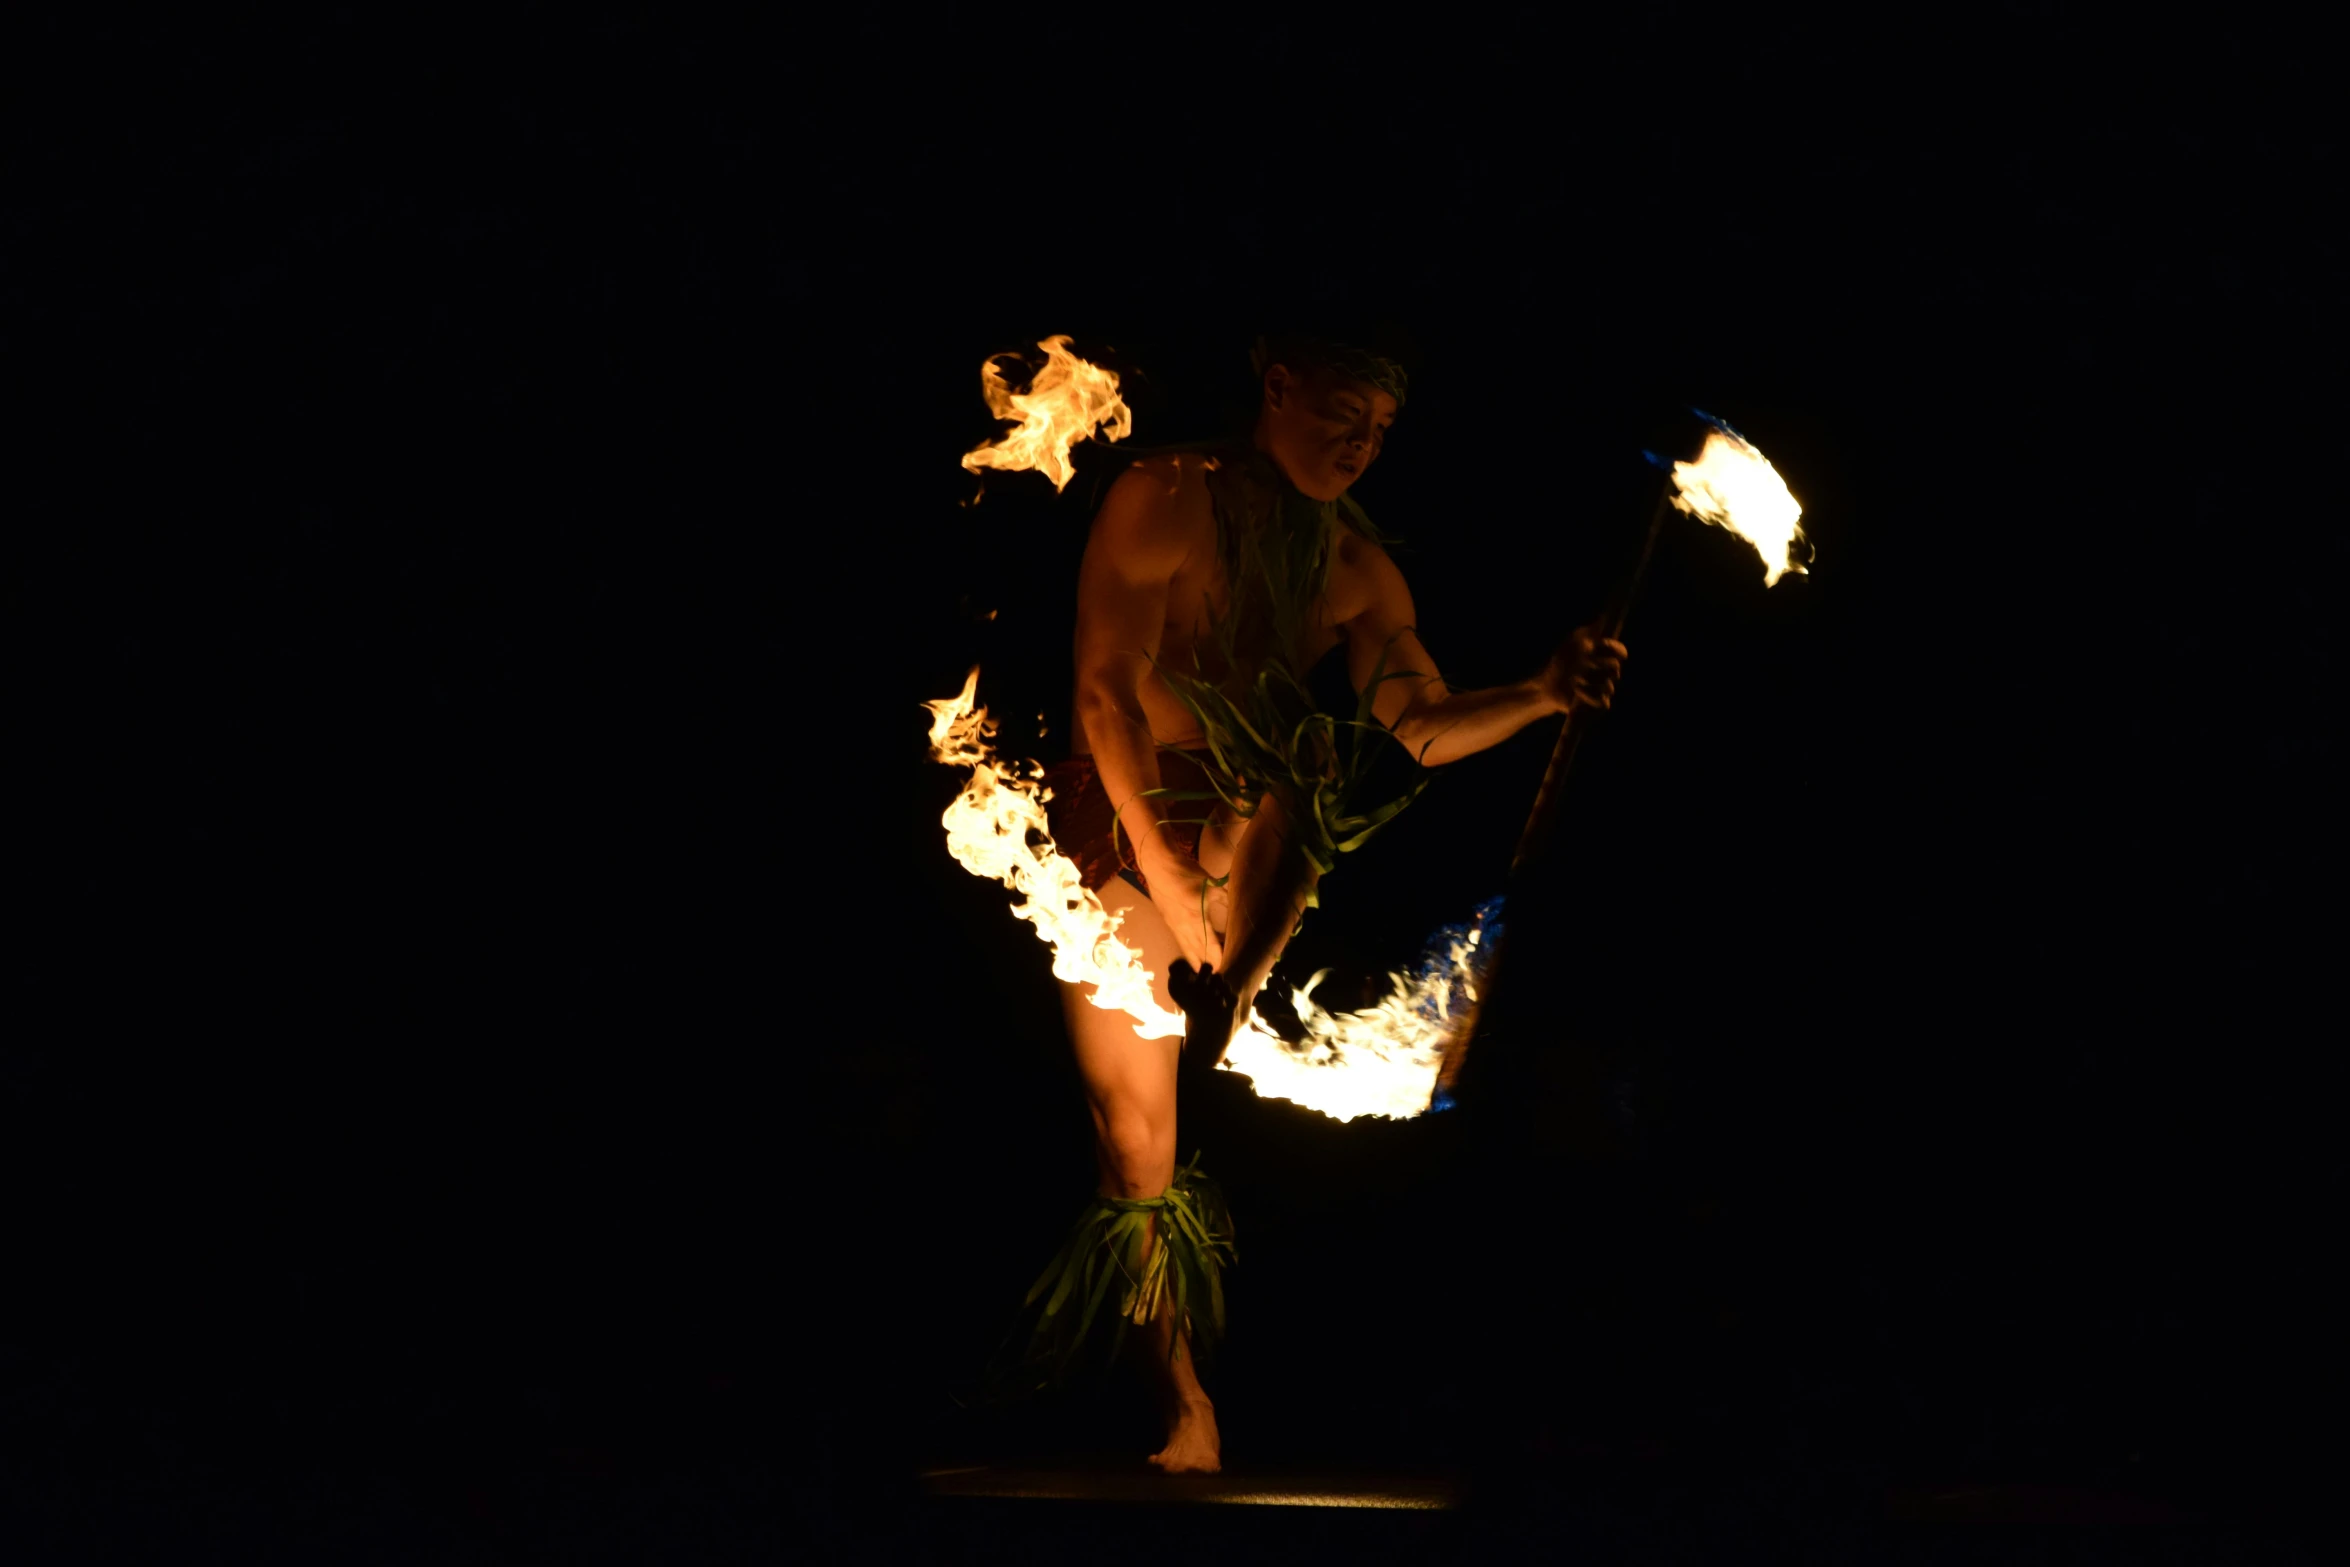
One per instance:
(1172, 470)
(1157, 516)
(1170, 485)
(1362, 549)
(1365, 580)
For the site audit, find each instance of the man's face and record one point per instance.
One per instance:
(1324, 429)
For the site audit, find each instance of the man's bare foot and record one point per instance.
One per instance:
(1192, 1445)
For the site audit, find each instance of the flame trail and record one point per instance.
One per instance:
(996, 828)
(1066, 401)
(1380, 1061)
(1733, 486)
(1383, 1060)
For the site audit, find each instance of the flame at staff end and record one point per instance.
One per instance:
(1383, 1060)
(1733, 486)
(1066, 401)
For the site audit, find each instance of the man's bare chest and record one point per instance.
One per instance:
(1202, 592)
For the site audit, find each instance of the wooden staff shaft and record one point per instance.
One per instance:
(1536, 835)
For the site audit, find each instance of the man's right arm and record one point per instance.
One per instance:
(1138, 545)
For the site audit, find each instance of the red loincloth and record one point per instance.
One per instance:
(1083, 821)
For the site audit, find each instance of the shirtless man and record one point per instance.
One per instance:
(1152, 578)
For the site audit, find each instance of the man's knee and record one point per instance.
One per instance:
(1138, 1150)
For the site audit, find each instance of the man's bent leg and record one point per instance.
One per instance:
(1130, 1087)
(1271, 878)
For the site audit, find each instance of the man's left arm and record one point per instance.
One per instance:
(1438, 724)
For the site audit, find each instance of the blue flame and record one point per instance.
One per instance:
(1444, 987)
(1719, 423)
(1722, 425)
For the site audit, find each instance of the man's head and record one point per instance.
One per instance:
(1323, 411)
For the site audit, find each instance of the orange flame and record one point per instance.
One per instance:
(1381, 1061)
(1732, 486)
(996, 828)
(1066, 401)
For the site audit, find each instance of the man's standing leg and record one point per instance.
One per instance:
(1130, 1087)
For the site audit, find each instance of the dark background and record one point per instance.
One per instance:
(501, 1063)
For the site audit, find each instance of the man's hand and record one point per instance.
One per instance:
(1584, 671)
(1196, 913)
(1208, 1005)
(1193, 910)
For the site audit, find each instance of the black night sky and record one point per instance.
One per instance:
(501, 1068)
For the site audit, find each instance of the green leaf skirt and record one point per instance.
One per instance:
(1109, 1267)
